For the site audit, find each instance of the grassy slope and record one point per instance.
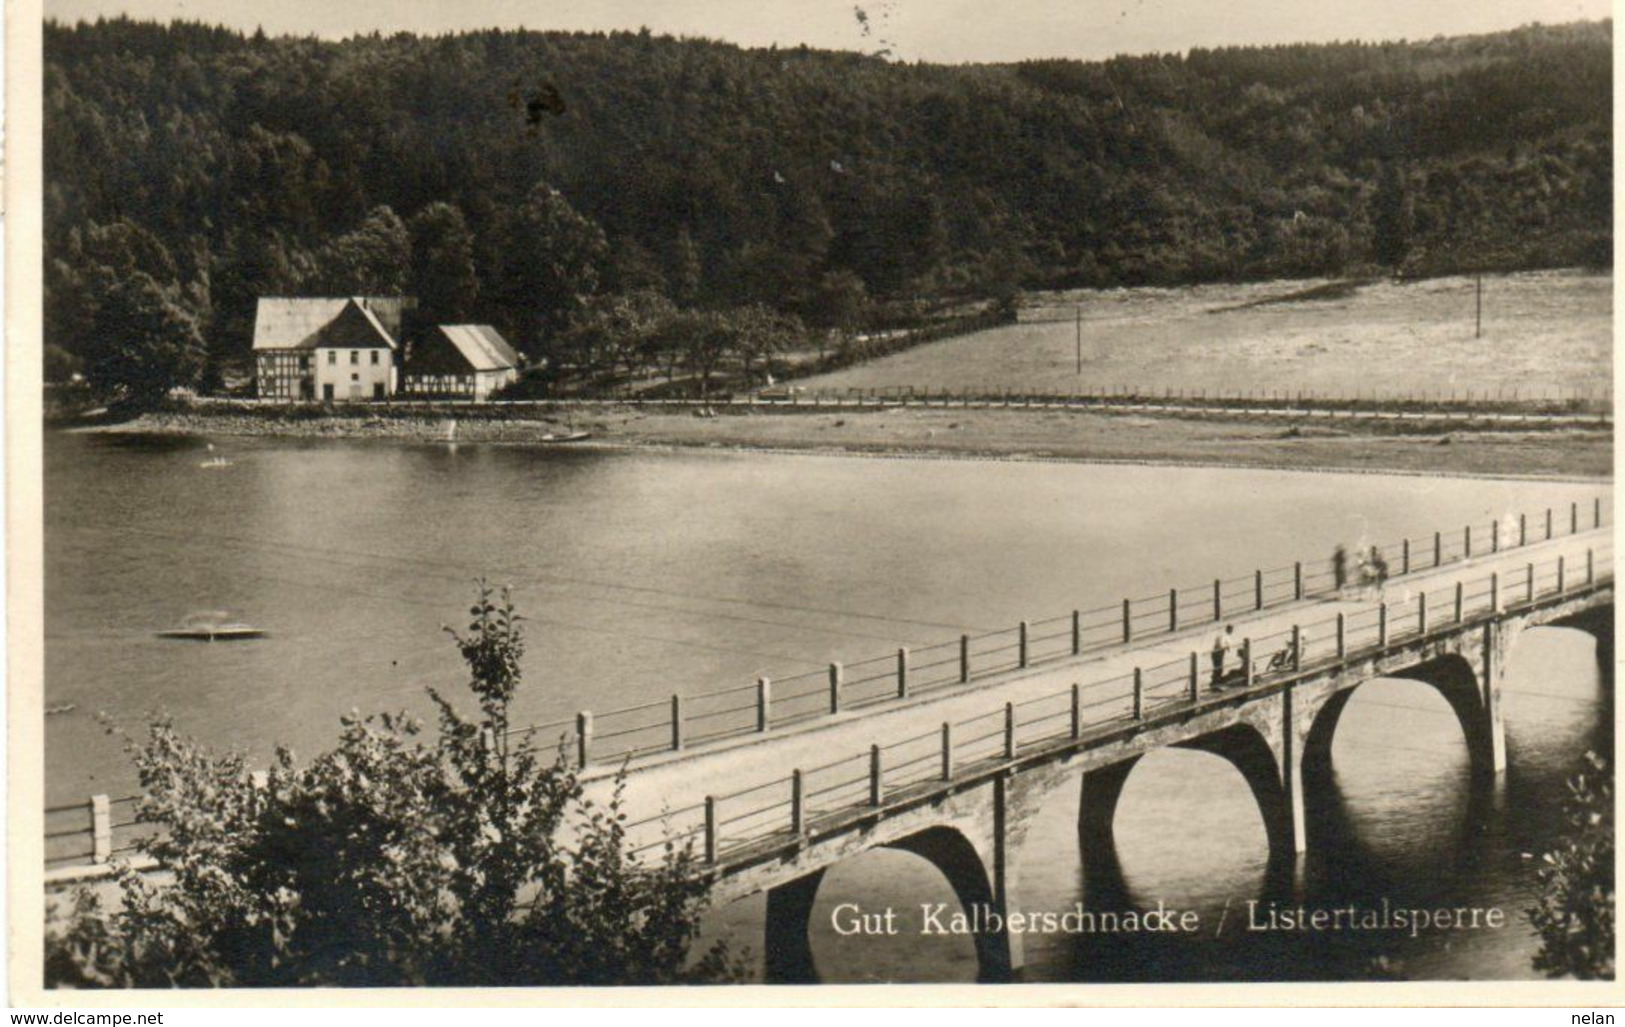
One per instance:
(1542, 330)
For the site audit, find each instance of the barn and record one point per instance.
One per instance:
(459, 362)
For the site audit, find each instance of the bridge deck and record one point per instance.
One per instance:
(750, 777)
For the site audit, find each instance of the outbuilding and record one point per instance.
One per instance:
(459, 362)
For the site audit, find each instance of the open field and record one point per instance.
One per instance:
(1543, 331)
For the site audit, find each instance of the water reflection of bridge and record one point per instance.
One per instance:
(957, 777)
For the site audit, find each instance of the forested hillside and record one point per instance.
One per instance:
(508, 176)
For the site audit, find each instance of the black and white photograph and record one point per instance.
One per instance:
(600, 494)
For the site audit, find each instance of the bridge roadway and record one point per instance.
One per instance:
(771, 811)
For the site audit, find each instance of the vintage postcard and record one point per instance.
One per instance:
(1010, 497)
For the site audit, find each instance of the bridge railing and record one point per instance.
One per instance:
(835, 792)
(88, 832)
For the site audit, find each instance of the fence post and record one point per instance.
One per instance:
(710, 830)
(1195, 684)
(874, 775)
(1590, 569)
(1467, 541)
(1247, 663)
(1218, 600)
(1297, 580)
(1076, 724)
(1422, 613)
(1342, 639)
(1548, 524)
(964, 658)
(1523, 529)
(1559, 575)
(1382, 625)
(902, 672)
(676, 722)
(1009, 730)
(1021, 648)
(1405, 556)
(1495, 592)
(1495, 536)
(798, 809)
(1173, 610)
(1258, 590)
(1574, 518)
(764, 703)
(101, 828)
(1139, 695)
(1438, 548)
(1128, 623)
(1461, 597)
(583, 738)
(947, 751)
(835, 688)
(1529, 583)
(1297, 647)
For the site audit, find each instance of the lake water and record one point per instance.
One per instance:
(646, 573)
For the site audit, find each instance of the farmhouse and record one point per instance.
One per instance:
(459, 361)
(327, 348)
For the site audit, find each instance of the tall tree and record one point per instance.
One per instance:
(145, 342)
(443, 277)
(553, 257)
(372, 260)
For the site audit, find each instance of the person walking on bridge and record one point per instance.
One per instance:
(1340, 568)
(1221, 650)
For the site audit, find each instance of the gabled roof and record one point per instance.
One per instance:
(482, 346)
(311, 322)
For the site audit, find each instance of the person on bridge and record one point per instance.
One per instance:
(1379, 568)
(1340, 567)
(1221, 649)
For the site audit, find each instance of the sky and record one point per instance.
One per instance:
(944, 31)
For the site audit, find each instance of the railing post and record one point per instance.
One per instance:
(1009, 730)
(1461, 599)
(583, 738)
(834, 688)
(1548, 524)
(1495, 592)
(101, 828)
(1297, 580)
(964, 658)
(1297, 647)
(798, 808)
(1574, 518)
(1139, 695)
(1021, 648)
(1523, 529)
(1559, 575)
(1405, 556)
(1247, 663)
(1076, 723)
(1529, 583)
(1195, 683)
(1342, 639)
(1596, 512)
(947, 751)
(1467, 541)
(1495, 536)
(902, 672)
(1382, 625)
(874, 775)
(1128, 622)
(710, 830)
(1591, 571)
(1421, 613)
(1218, 600)
(1077, 632)
(1173, 610)
(1438, 549)
(764, 703)
(1258, 590)
(676, 722)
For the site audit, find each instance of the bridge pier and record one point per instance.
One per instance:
(788, 951)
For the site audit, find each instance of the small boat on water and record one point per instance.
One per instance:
(573, 436)
(212, 627)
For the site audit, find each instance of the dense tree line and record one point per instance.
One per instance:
(511, 177)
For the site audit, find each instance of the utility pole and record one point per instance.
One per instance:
(1478, 310)
(1080, 338)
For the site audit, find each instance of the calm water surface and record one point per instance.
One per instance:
(645, 573)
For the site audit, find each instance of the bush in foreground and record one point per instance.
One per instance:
(391, 861)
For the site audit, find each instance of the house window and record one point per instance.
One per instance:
(332, 356)
(355, 356)
(354, 377)
(304, 363)
(375, 358)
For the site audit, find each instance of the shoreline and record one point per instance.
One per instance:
(1028, 436)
